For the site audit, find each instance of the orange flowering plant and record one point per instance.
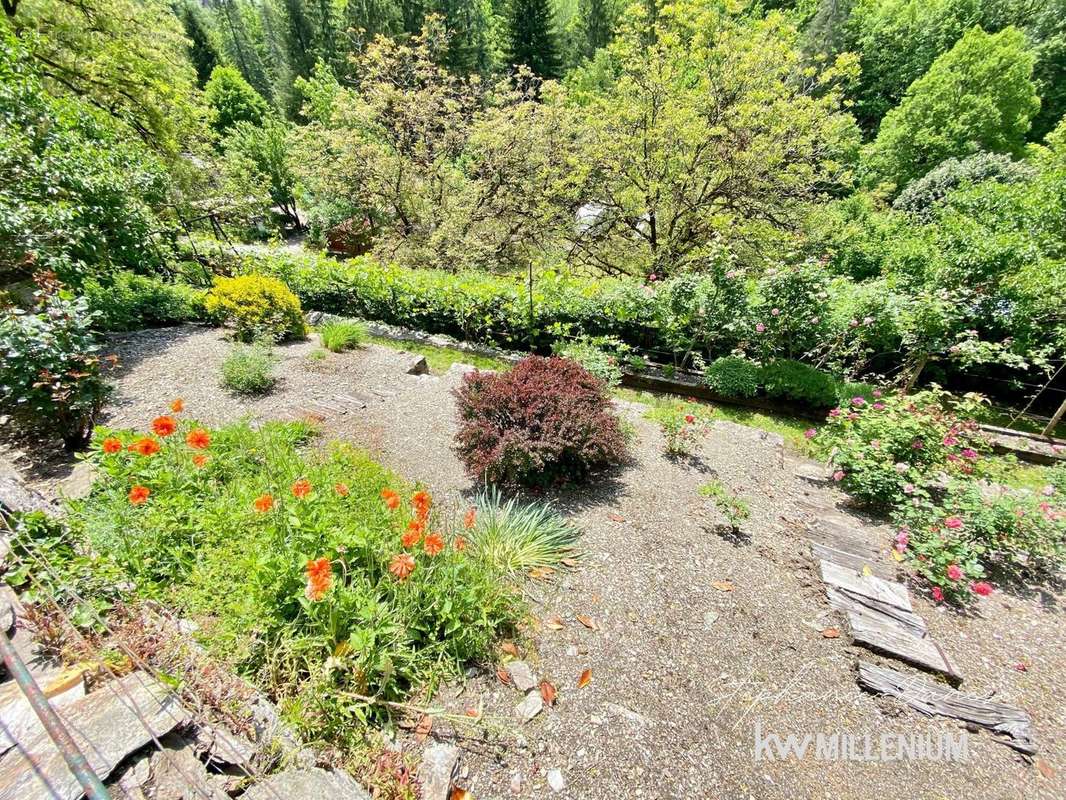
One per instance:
(323, 573)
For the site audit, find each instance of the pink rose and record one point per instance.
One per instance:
(908, 488)
(938, 594)
(953, 522)
(835, 412)
(775, 312)
(760, 327)
(838, 475)
(950, 441)
(878, 406)
(981, 588)
(876, 392)
(858, 401)
(954, 573)
(970, 453)
(810, 433)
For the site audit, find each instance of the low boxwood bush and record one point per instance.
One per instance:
(126, 301)
(51, 370)
(796, 382)
(323, 578)
(249, 370)
(731, 376)
(544, 422)
(257, 306)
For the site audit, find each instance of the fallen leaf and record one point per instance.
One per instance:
(1044, 768)
(425, 725)
(866, 570)
(568, 562)
(503, 675)
(830, 633)
(472, 712)
(547, 692)
(538, 573)
(554, 623)
(723, 586)
(509, 648)
(460, 794)
(583, 681)
(616, 517)
(1021, 666)
(588, 622)
(896, 554)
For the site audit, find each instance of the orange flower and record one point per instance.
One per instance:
(402, 565)
(177, 406)
(111, 445)
(459, 543)
(470, 518)
(198, 439)
(341, 489)
(421, 502)
(410, 539)
(164, 426)
(199, 460)
(319, 579)
(433, 544)
(263, 503)
(301, 489)
(145, 446)
(392, 500)
(139, 494)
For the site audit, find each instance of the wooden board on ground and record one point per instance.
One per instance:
(823, 552)
(894, 640)
(888, 592)
(1012, 726)
(850, 603)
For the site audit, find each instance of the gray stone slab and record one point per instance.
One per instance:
(176, 773)
(307, 784)
(107, 726)
(436, 771)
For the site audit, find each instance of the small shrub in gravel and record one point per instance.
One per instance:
(683, 428)
(513, 537)
(342, 335)
(732, 507)
(249, 369)
(258, 307)
(546, 421)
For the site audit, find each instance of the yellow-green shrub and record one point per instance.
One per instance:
(258, 306)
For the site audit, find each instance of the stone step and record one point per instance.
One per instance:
(307, 784)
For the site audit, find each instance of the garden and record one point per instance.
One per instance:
(549, 399)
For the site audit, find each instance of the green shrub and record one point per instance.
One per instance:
(683, 426)
(249, 369)
(50, 375)
(846, 391)
(513, 537)
(126, 301)
(340, 335)
(257, 306)
(732, 507)
(323, 578)
(598, 356)
(545, 421)
(800, 383)
(730, 376)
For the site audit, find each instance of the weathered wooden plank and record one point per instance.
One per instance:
(848, 602)
(823, 552)
(894, 640)
(871, 586)
(1011, 726)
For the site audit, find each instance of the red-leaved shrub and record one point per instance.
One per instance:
(546, 421)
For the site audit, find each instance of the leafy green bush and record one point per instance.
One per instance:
(545, 421)
(249, 369)
(340, 335)
(598, 356)
(732, 507)
(799, 383)
(683, 426)
(323, 578)
(126, 301)
(50, 374)
(731, 376)
(923, 194)
(258, 306)
(513, 537)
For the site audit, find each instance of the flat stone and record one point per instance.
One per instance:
(813, 471)
(312, 783)
(128, 780)
(710, 618)
(178, 774)
(532, 705)
(416, 365)
(436, 771)
(218, 746)
(105, 725)
(18, 720)
(79, 482)
(556, 780)
(521, 676)
(627, 714)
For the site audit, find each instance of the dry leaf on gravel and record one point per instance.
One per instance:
(723, 586)
(588, 622)
(831, 633)
(1044, 768)
(568, 562)
(616, 517)
(509, 648)
(503, 675)
(472, 712)
(547, 692)
(539, 573)
(425, 725)
(554, 623)
(584, 679)
(460, 794)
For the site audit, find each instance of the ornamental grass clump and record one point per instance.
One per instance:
(321, 577)
(546, 421)
(515, 537)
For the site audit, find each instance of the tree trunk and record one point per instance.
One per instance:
(913, 379)
(1050, 429)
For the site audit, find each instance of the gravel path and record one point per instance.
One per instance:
(682, 671)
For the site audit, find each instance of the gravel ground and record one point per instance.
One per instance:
(682, 672)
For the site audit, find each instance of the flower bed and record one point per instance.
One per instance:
(320, 576)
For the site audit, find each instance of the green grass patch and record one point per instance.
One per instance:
(249, 370)
(517, 537)
(440, 359)
(341, 335)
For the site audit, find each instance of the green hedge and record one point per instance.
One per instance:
(782, 379)
(125, 301)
